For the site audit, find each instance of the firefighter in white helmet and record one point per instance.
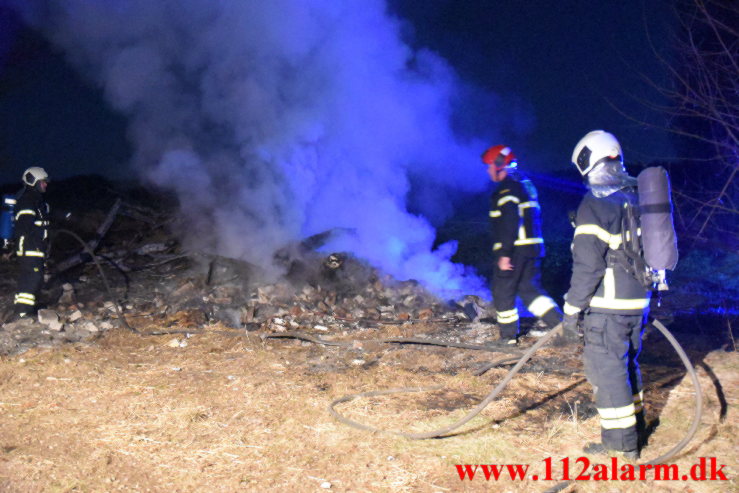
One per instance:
(612, 303)
(31, 236)
(518, 246)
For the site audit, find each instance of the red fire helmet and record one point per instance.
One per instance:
(499, 156)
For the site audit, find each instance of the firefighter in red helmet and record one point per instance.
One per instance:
(518, 246)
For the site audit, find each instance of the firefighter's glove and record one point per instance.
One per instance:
(571, 331)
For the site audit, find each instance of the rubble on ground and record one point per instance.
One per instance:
(154, 281)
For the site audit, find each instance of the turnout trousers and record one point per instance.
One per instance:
(523, 281)
(612, 346)
(30, 279)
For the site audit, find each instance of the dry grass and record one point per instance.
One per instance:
(238, 414)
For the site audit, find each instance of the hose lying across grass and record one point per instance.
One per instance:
(102, 276)
(440, 432)
(697, 411)
(447, 429)
(390, 340)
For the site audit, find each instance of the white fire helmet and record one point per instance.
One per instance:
(596, 147)
(34, 175)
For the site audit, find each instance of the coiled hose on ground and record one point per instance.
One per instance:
(697, 411)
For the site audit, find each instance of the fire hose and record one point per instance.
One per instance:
(102, 275)
(440, 432)
(112, 298)
(447, 429)
(697, 411)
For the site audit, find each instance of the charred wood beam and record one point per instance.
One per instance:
(83, 256)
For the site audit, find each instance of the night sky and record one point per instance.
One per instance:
(50, 116)
(568, 63)
(560, 66)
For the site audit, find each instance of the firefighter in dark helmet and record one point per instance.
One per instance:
(517, 246)
(611, 301)
(31, 236)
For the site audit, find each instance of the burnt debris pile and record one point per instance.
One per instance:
(157, 283)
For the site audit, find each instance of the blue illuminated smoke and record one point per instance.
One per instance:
(274, 120)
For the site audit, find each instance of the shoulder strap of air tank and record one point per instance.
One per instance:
(630, 254)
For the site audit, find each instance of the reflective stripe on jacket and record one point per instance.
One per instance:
(515, 218)
(598, 279)
(31, 224)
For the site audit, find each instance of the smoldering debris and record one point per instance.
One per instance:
(156, 282)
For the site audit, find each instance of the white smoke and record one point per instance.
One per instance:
(274, 120)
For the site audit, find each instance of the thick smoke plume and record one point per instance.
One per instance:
(274, 120)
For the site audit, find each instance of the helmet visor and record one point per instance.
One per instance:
(583, 161)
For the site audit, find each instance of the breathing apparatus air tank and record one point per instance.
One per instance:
(6, 219)
(657, 229)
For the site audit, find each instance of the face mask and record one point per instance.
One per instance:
(609, 177)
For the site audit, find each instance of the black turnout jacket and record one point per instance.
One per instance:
(515, 218)
(599, 282)
(31, 223)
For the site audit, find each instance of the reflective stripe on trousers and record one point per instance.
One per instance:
(507, 317)
(541, 305)
(612, 345)
(25, 299)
